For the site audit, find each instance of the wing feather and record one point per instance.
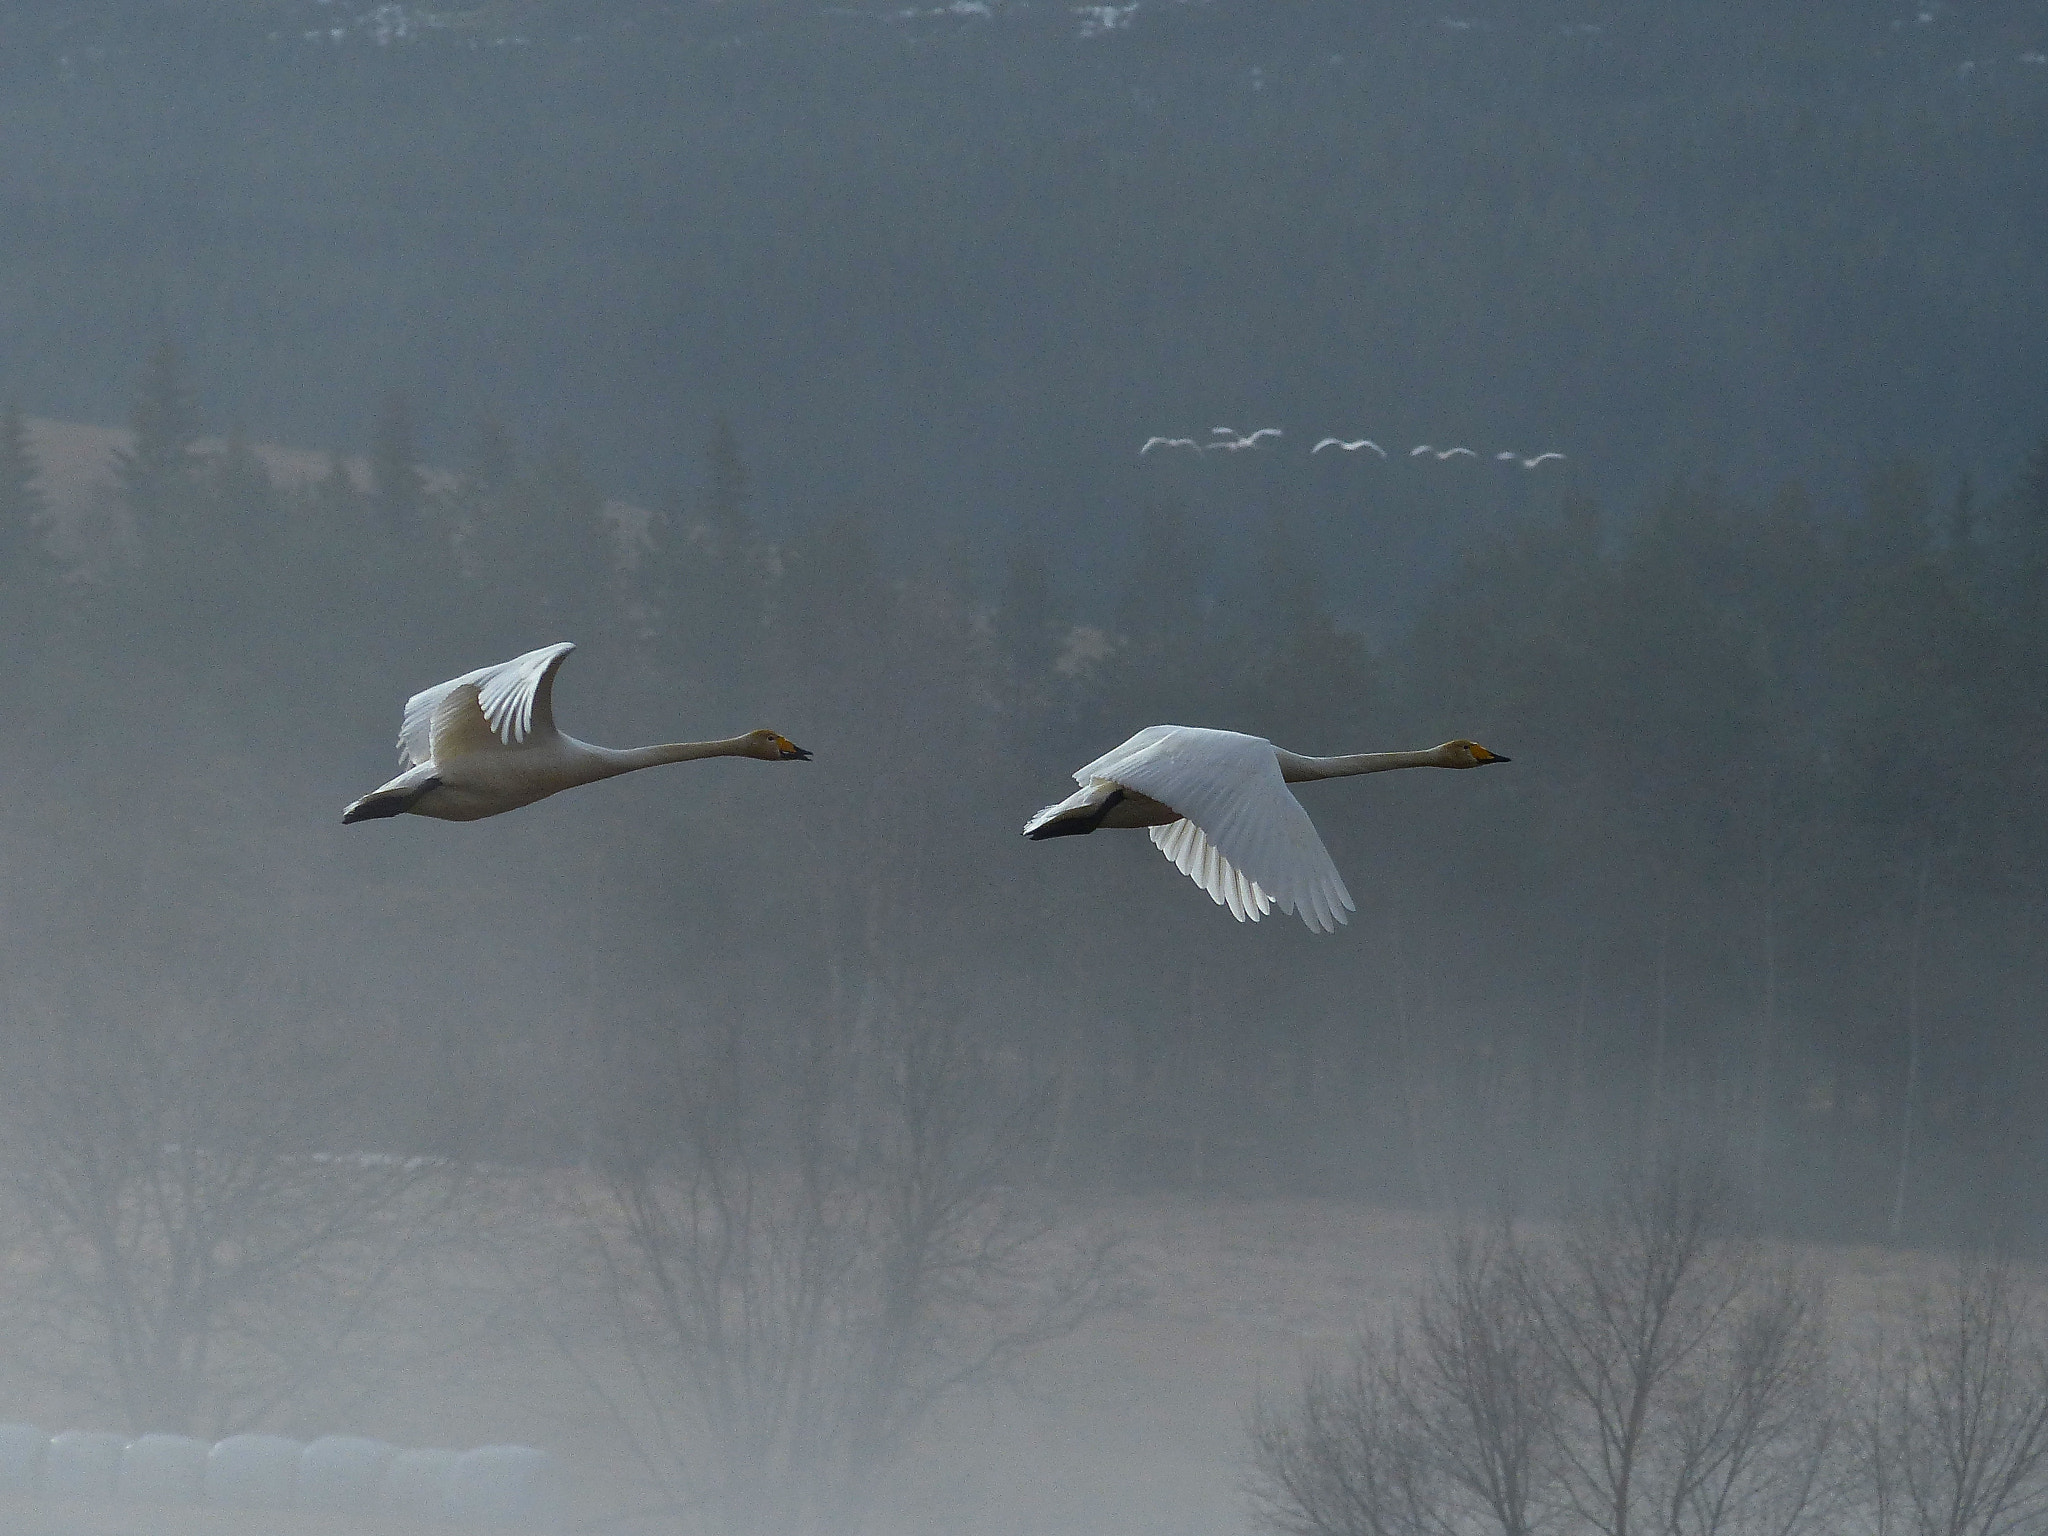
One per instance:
(459, 726)
(516, 697)
(1247, 841)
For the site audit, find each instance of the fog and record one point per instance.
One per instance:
(795, 361)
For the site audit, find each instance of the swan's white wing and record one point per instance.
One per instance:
(516, 696)
(1250, 840)
(459, 727)
(1196, 857)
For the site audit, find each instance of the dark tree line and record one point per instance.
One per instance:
(1763, 871)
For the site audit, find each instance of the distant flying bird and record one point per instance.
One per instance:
(1249, 440)
(1453, 453)
(486, 742)
(1218, 806)
(1338, 442)
(1516, 458)
(1169, 442)
(1419, 450)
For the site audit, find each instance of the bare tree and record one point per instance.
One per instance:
(1637, 1289)
(1345, 1459)
(805, 1245)
(1645, 1371)
(1481, 1390)
(1751, 1432)
(1953, 1439)
(194, 1244)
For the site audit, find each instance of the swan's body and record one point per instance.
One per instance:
(1217, 804)
(486, 742)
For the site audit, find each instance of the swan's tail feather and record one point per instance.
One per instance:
(1075, 816)
(379, 803)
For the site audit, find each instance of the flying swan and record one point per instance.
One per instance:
(1218, 806)
(486, 743)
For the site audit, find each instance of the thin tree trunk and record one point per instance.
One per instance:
(1913, 947)
(1575, 1083)
(1767, 1019)
(1654, 1128)
(1425, 1186)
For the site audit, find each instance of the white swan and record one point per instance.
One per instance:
(486, 742)
(1352, 447)
(1217, 804)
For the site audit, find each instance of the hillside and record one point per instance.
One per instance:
(953, 263)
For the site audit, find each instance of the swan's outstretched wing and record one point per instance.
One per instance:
(459, 727)
(517, 698)
(1250, 845)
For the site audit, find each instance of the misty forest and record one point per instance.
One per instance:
(795, 1147)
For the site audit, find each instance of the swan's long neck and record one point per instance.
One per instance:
(1296, 769)
(609, 762)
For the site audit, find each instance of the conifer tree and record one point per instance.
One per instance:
(21, 498)
(157, 470)
(729, 491)
(396, 484)
(1024, 614)
(336, 499)
(243, 493)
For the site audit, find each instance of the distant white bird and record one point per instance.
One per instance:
(1419, 450)
(1169, 442)
(1249, 440)
(1225, 431)
(1529, 463)
(1352, 447)
(1454, 453)
(1218, 806)
(486, 742)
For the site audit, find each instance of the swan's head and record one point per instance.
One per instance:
(772, 747)
(1468, 754)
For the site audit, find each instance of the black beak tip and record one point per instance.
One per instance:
(1499, 759)
(798, 754)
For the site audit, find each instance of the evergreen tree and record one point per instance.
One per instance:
(397, 487)
(157, 471)
(729, 491)
(336, 501)
(1024, 623)
(560, 517)
(244, 495)
(21, 498)
(492, 460)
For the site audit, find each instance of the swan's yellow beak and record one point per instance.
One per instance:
(1483, 757)
(790, 751)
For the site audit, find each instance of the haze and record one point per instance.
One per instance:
(794, 361)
